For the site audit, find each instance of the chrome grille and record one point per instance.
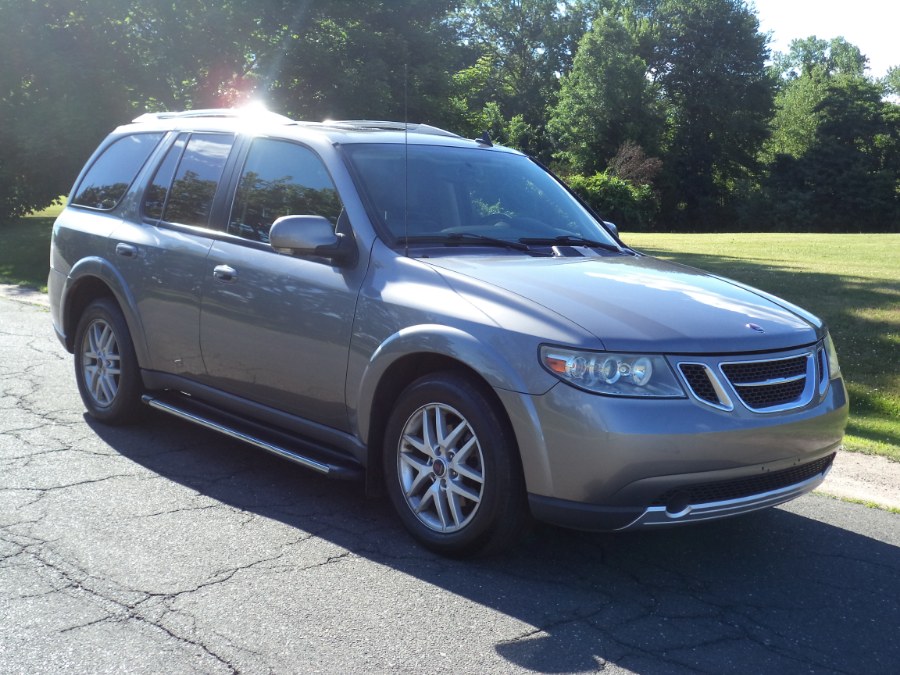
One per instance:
(760, 371)
(773, 384)
(763, 385)
(766, 396)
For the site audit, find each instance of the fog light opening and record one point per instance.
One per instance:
(679, 505)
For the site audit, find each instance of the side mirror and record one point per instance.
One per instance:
(312, 236)
(611, 227)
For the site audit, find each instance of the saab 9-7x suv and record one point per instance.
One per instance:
(437, 316)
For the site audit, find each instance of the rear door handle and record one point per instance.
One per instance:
(225, 273)
(126, 250)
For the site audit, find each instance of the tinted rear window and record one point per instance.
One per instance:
(108, 179)
(197, 179)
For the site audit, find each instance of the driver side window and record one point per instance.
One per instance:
(280, 178)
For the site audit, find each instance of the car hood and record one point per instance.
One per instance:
(639, 303)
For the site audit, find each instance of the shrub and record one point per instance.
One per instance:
(631, 207)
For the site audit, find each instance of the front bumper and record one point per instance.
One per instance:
(601, 463)
(685, 505)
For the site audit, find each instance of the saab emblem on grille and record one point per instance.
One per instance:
(756, 327)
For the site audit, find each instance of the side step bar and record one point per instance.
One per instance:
(301, 452)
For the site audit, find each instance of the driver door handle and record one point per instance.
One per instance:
(126, 250)
(225, 273)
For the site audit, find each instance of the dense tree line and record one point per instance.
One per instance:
(663, 113)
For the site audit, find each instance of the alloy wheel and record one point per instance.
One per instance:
(441, 468)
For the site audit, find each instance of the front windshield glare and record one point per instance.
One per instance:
(438, 192)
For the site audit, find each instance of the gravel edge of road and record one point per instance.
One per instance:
(871, 480)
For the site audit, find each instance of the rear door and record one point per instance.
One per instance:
(162, 256)
(275, 329)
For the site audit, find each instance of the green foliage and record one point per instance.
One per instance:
(570, 82)
(527, 42)
(892, 81)
(685, 78)
(631, 207)
(605, 100)
(522, 47)
(55, 103)
(810, 56)
(796, 120)
(347, 59)
(833, 160)
(708, 60)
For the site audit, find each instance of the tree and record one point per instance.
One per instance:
(708, 59)
(349, 59)
(810, 56)
(73, 70)
(849, 175)
(606, 100)
(55, 104)
(518, 51)
(892, 81)
(112, 59)
(685, 79)
(833, 159)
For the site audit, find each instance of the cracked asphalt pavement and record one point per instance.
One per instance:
(166, 548)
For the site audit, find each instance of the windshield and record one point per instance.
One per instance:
(468, 194)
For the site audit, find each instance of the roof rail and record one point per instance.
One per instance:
(250, 112)
(382, 125)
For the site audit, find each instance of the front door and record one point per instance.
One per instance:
(274, 328)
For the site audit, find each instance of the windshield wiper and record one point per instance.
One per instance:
(459, 238)
(570, 240)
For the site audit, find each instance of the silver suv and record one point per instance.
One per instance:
(437, 316)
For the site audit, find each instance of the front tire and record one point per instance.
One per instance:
(106, 367)
(452, 467)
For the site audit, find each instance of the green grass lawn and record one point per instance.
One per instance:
(25, 248)
(852, 281)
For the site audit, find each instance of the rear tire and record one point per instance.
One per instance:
(106, 367)
(452, 468)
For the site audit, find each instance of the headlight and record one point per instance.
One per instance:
(613, 374)
(834, 368)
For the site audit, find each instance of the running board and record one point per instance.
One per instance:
(310, 457)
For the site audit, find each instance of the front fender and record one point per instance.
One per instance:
(96, 269)
(493, 365)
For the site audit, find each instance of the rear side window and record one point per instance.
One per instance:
(108, 179)
(158, 190)
(185, 183)
(280, 179)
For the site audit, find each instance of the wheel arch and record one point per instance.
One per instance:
(492, 511)
(411, 354)
(93, 278)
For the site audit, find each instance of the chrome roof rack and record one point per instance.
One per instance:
(257, 113)
(264, 115)
(382, 125)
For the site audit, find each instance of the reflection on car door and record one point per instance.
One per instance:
(162, 257)
(274, 328)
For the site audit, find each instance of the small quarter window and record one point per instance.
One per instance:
(281, 179)
(107, 181)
